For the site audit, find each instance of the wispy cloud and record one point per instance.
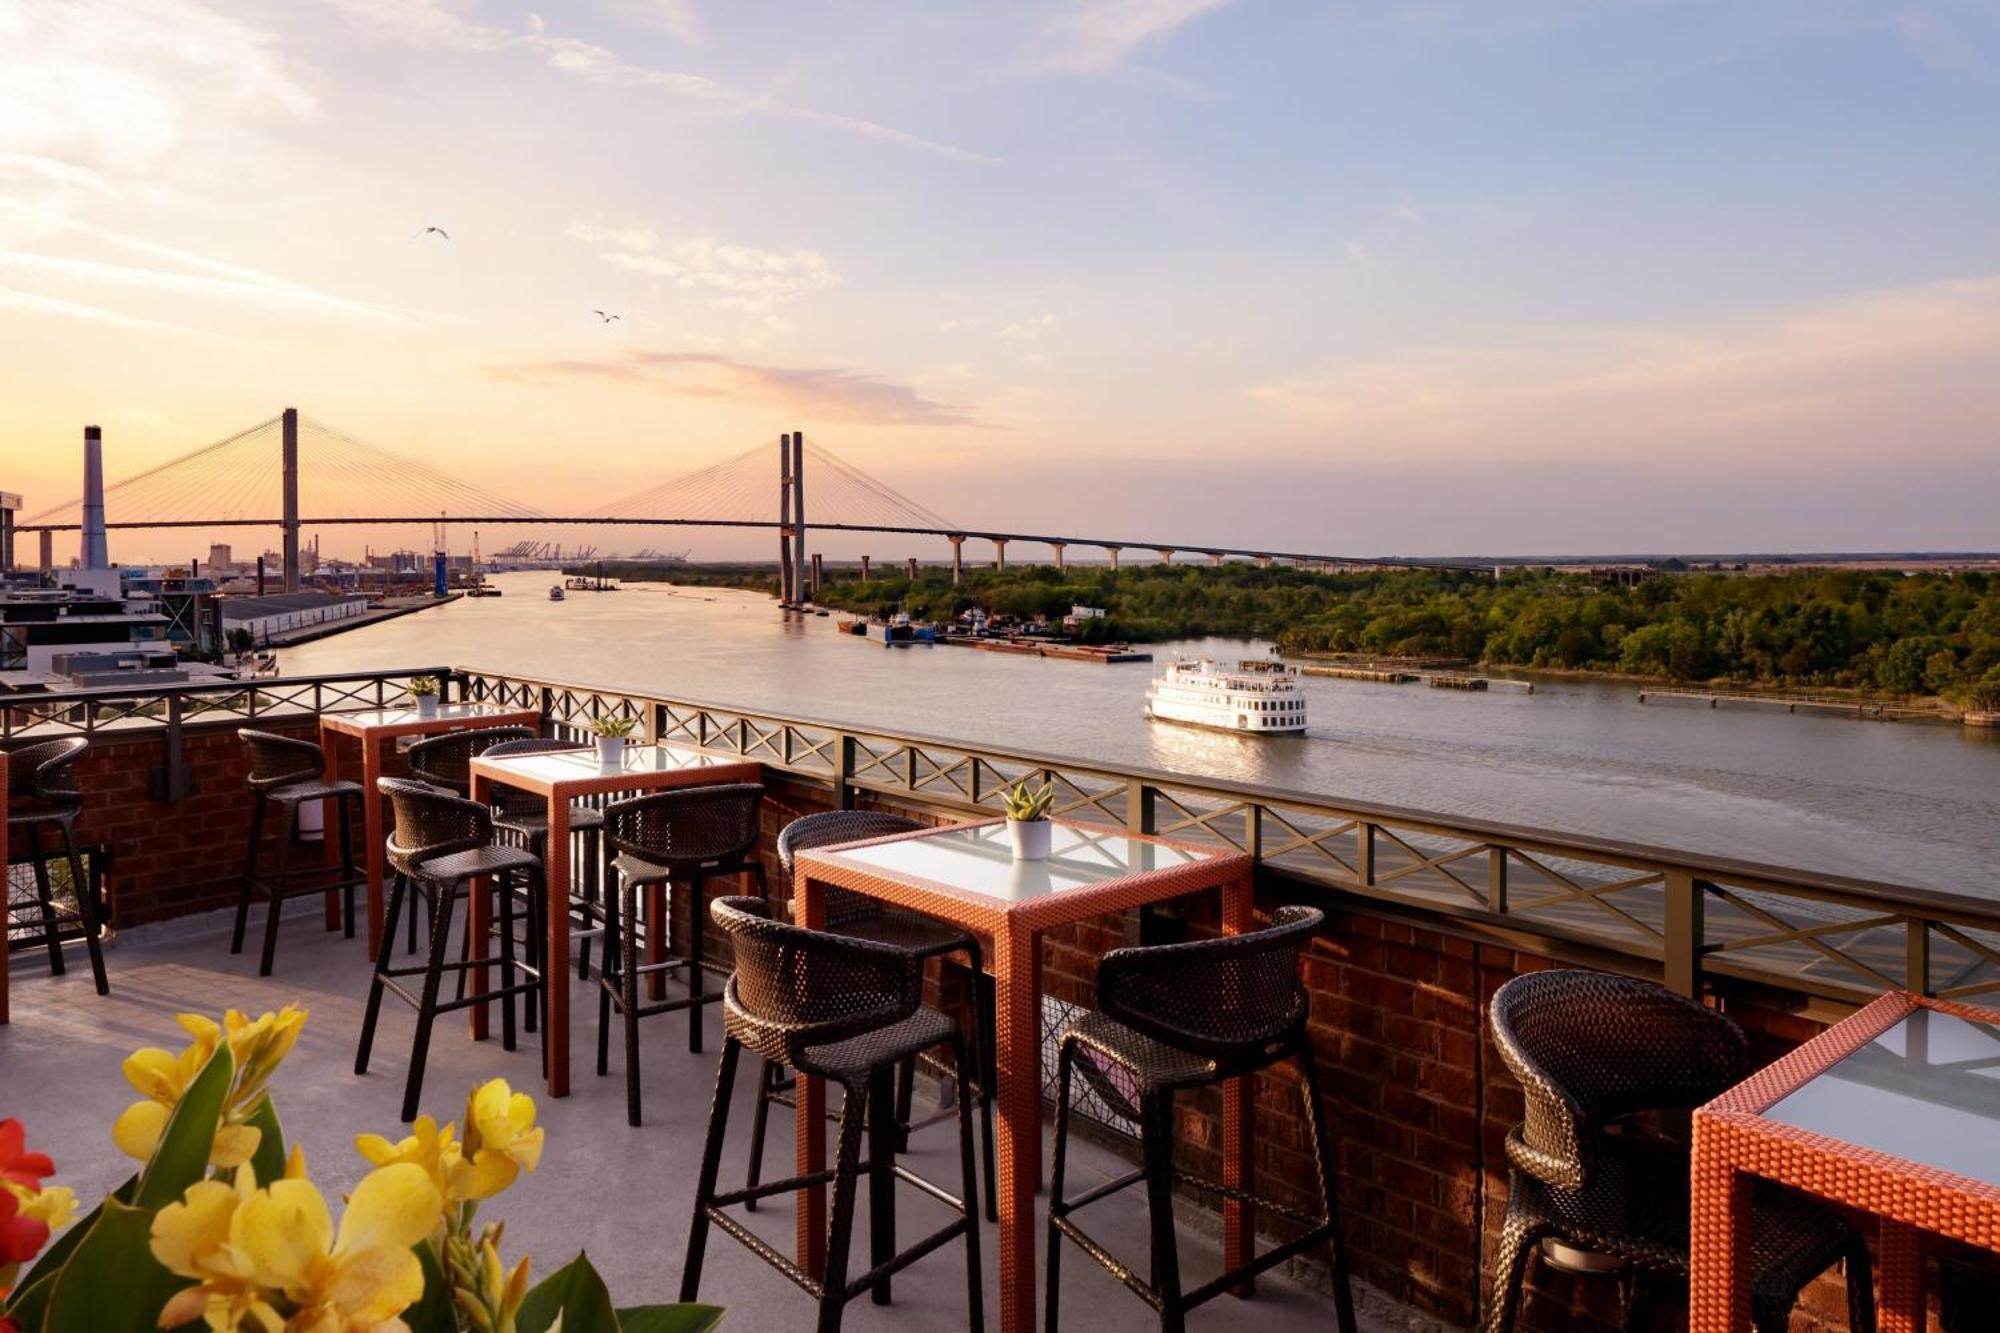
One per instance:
(36, 303)
(242, 285)
(735, 277)
(425, 23)
(821, 393)
(1844, 378)
(1094, 36)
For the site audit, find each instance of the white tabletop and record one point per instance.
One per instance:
(569, 765)
(403, 717)
(979, 858)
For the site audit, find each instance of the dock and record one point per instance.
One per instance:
(1376, 674)
(1792, 703)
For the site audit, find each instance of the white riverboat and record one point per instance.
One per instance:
(1255, 698)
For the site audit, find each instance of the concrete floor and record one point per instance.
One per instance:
(619, 1193)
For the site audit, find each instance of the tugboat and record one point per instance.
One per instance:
(556, 593)
(1255, 698)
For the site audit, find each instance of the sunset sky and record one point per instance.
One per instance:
(1437, 276)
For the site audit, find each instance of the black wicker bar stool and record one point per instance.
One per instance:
(286, 772)
(524, 817)
(668, 839)
(1180, 1016)
(42, 793)
(439, 843)
(858, 916)
(444, 761)
(849, 1011)
(1594, 1053)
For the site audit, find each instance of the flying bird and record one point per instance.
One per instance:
(602, 317)
(428, 230)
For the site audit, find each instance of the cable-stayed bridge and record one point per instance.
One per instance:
(292, 472)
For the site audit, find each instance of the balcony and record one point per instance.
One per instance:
(1426, 917)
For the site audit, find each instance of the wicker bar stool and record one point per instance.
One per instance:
(286, 772)
(42, 793)
(849, 1011)
(661, 840)
(1175, 1017)
(439, 844)
(444, 761)
(858, 916)
(524, 817)
(1592, 1051)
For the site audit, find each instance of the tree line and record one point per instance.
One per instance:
(1916, 634)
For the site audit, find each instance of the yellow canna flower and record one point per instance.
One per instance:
(272, 1256)
(501, 1140)
(435, 1150)
(258, 1046)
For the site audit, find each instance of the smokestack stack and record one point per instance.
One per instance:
(96, 550)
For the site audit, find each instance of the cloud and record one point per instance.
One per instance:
(735, 277)
(1029, 330)
(425, 23)
(825, 394)
(1095, 36)
(12, 298)
(223, 281)
(1848, 378)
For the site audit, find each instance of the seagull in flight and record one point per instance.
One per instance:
(428, 230)
(602, 317)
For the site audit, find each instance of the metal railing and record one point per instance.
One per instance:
(1678, 914)
(1669, 912)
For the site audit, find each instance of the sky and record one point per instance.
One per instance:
(1383, 277)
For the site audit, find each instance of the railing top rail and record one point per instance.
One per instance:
(108, 693)
(1849, 890)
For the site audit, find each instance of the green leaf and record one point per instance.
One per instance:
(436, 1312)
(269, 1159)
(669, 1318)
(59, 1249)
(181, 1158)
(31, 1302)
(112, 1283)
(575, 1293)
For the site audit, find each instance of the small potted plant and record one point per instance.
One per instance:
(1028, 821)
(612, 734)
(424, 689)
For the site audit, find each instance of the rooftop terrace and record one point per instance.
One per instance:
(1426, 917)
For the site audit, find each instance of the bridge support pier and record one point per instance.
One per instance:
(1166, 555)
(48, 553)
(1112, 551)
(910, 569)
(957, 559)
(1263, 562)
(1215, 559)
(798, 509)
(786, 593)
(291, 481)
(864, 569)
(816, 569)
(1062, 563)
(999, 553)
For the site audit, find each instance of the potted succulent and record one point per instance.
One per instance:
(612, 735)
(1028, 822)
(424, 689)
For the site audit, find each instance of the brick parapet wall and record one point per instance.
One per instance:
(1415, 1093)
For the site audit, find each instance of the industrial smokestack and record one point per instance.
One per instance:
(96, 550)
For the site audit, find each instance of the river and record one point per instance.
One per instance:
(1905, 802)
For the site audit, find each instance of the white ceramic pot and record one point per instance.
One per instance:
(1031, 838)
(611, 750)
(427, 705)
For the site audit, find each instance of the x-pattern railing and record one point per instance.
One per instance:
(1678, 912)
(1681, 913)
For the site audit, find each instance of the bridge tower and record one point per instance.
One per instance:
(799, 513)
(291, 477)
(785, 590)
(957, 558)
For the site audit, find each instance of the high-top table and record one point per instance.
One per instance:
(562, 777)
(371, 727)
(1895, 1111)
(966, 874)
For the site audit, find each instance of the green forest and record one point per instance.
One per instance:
(1922, 634)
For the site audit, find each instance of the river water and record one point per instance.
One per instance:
(1903, 802)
